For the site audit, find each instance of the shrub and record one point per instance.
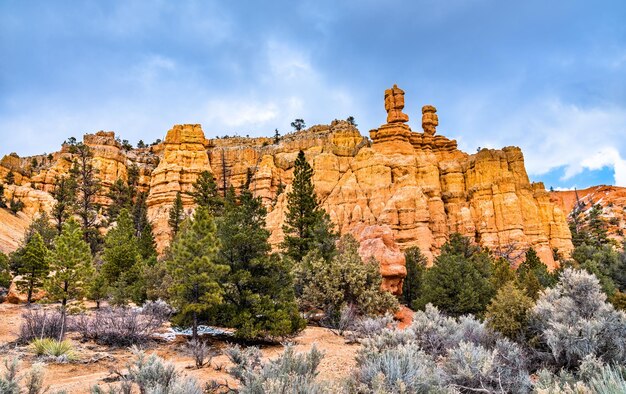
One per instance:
(121, 326)
(40, 323)
(508, 311)
(343, 280)
(573, 320)
(593, 377)
(401, 369)
(289, 373)
(61, 351)
(33, 379)
(440, 353)
(200, 351)
(151, 375)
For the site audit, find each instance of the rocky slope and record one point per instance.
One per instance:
(396, 189)
(612, 199)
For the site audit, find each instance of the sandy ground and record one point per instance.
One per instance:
(98, 363)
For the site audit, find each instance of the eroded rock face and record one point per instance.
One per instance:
(414, 189)
(378, 242)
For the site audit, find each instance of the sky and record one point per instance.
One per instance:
(547, 76)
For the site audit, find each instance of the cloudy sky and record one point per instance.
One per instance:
(548, 76)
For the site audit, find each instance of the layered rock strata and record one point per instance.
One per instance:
(417, 186)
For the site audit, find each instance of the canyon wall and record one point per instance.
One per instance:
(407, 188)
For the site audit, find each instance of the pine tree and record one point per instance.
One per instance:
(205, 193)
(41, 225)
(193, 268)
(276, 136)
(120, 195)
(143, 228)
(122, 260)
(65, 195)
(87, 188)
(258, 292)
(10, 178)
(459, 282)
(597, 226)
(34, 267)
(71, 268)
(98, 288)
(307, 225)
(415, 268)
(177, 215)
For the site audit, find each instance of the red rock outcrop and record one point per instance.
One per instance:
(417, 186)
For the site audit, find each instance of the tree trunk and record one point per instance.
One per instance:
(30, 293)
(63, 311)
(194, 329)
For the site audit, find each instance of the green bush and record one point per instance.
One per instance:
(342, 281)
(508, 311)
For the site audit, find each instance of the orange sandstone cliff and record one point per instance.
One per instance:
(396, 189)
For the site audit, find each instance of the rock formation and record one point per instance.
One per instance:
(398, 189)
(430, 120)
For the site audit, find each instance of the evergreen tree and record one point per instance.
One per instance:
(502, 273)
(5, 271)
(120, 195)
(87, 188)
(351, 120)
(133, 179)
(177, 215)
(34, 267)
(533, 264)
(298, 124)
(258, 292)
(143, 228)
(42, 226)
(65, 195)
(10, 178)
(3, 202)
(276, 136)
(307, 225)
(122, 260)
(597, 227)
(15, 205)
(98, 288)
(205, 193)
(70, 267)
(415, 268)
(459, 282)
(141, 144)
(193, 268)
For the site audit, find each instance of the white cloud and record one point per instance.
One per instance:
(555, 134)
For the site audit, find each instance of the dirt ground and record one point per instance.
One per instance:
(98, 363)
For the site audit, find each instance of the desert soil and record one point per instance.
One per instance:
(97, 364)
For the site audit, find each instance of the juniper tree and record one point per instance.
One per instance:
(3, 203)
(5, 271)
(195, 273)
(205, 193)
(65, 195)
(176, 215)
(34, 267)
(343, 281)
(258, 293)
(459, 281)
(70, 267)
(10, 178)
(307, 226)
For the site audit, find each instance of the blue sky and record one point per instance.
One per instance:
(548, 76)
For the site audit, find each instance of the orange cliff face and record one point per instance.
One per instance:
(395, 190)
